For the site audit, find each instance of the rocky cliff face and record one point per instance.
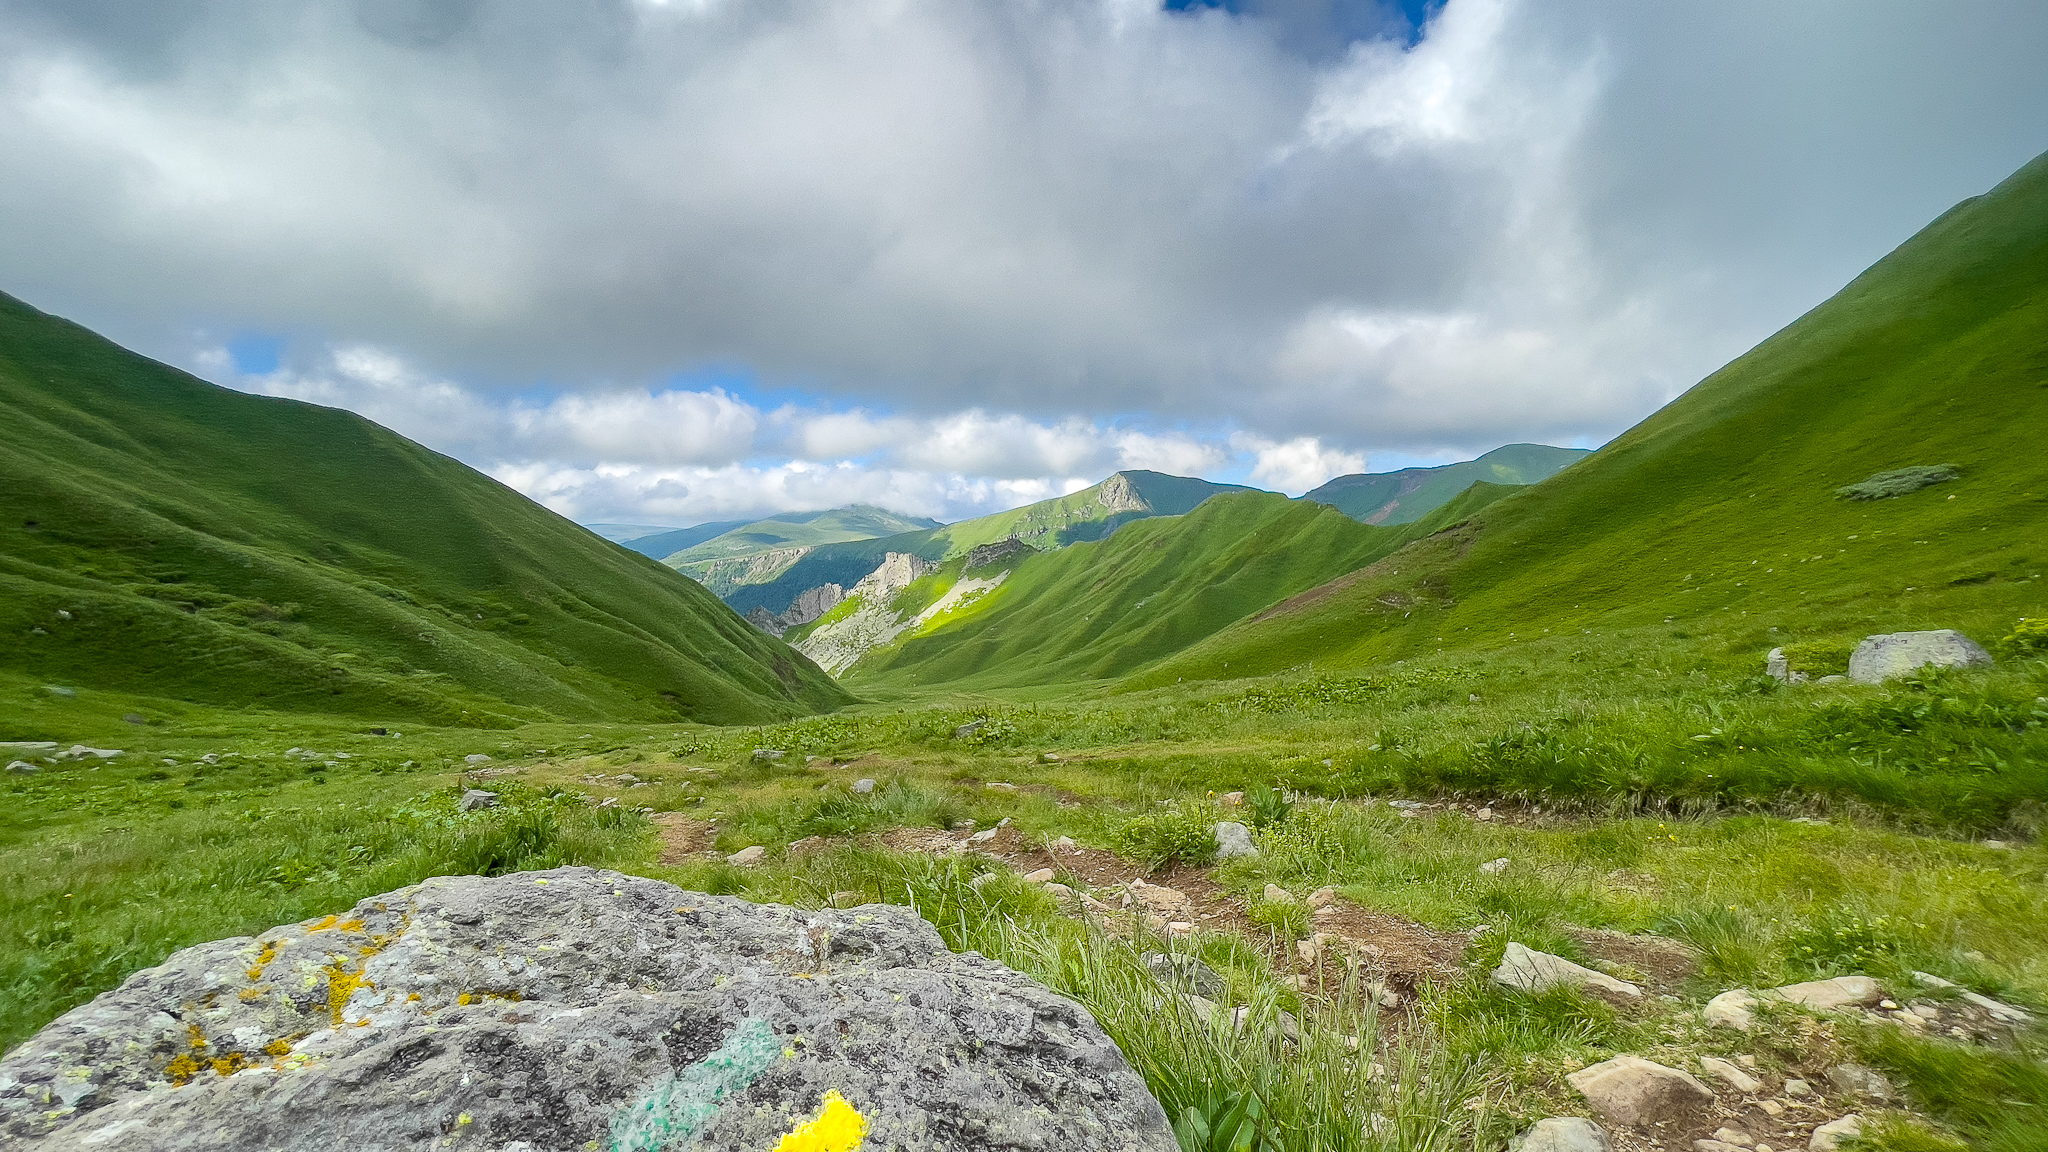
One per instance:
(576, 1009)
(722, 576)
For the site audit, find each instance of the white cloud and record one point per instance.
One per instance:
(1297, 465)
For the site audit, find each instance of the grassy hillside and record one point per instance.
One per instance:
(1090, 514)
(1102, 609)
(660, 542)
(1408, 495)
(1720, 512)
(166, 537)
(799, 529)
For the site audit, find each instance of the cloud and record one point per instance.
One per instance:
(1018, 243)
(1299, 464)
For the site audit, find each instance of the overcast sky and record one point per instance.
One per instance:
(665, 262)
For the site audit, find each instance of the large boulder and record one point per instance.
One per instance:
(1632, 1090)
(575, 1009)
(1896, 654)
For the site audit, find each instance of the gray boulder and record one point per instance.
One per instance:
(1233, 840)
(1532, 971)
(1563, 1134)
(1635, 1091)
(1896, 654)
(572, 1009)
(476, 798)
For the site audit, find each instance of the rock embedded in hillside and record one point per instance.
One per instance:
(1828, 995)
(1233, 840)
(1779, 667)
(1275, 894)
(1563, 1134)
(969, 729)
(748, 857)
(1184, 972)
(1635, 1091)
(476, 798)
(1857, 1080)
(770, 754)
(1531, 971)
(570, 1009)
(21, 767)
(1830, 1135)
(1728, 1073)
(1895, 654)
(476, 758)
(863, 786)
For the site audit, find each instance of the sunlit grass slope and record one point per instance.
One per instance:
(1720, 511)
(163, 536)
(1099, 610)
(1090, 514)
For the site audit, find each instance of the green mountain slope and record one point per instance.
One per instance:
(1100, 610)
(660, 542)
(162, 536)
(798, 530)
(1408, 495)
(1720, 511)
(1090, 514)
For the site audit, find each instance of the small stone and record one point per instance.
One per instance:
(1716, 1146)
(863, 786)
(1532, 971)
(1632, 1090)
(748, 857)
(1735, 1136)
(1231, 800)
(1322, 898)
(476, 758)
(1764, 1148)
(1000, 786)
(1857, 1080)
(1830, 1135)
(1483, 814)
(969, 729)
(1888, 1005)
(134, 718)
(986, 834)
(1562, 1134)
(1771, 1108)
(1729, 1074)
(1495, 867)
(1233, 840)
(770, 754)
(1064, 844)
(1184, 972)
(1827, 995)
(476, 798)
(1735, 1008)
(21, 767)
(1747, 1061)
(628, 777)
(1275, 894)
(1797, 1089)
(1041, 876)
(1050, 758)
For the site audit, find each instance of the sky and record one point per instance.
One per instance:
(668, 261)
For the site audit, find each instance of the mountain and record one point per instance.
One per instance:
(1408, 495)
(1090, 514)
(657, 543)
(1010, 616)
(621, 533)
(1724, 509)
(759, 550)
(166, 537)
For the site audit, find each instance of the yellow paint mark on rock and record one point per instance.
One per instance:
(838, 1128)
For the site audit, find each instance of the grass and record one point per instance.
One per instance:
(161, 535)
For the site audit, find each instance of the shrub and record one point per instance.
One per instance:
(1820, 657)
(1899, 482)
(2029, 637)
(1267, 806)
(1182, 834)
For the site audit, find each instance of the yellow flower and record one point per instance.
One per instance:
(838, 1128)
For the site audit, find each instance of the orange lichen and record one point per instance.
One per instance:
(249, 995)
(324, 924)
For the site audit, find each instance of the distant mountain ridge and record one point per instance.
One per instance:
(662, 544)
(1409, 494)
(165, 537)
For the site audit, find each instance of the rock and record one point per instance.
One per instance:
(2000, 1011)
(1064, 844)
(476, 758)
(1183, 972)
(1275, 894)
(1041, 876)
(769, 754)
(1735, 1136)
(570, 1009)
(1169, 903)
(1777, 667)
(999, 552)
(1533, 971)
(1632, 1090)
(28, 747)
(61, 692)
(1796, 1089)
(1563, 1134)
(21, 767)
(1233, 840)
(1857, 1080)
(1825, 995)
(969, 729)
(1735, 1008)
(1830, 1135)
(1050, 758)
(1495, 867)
(1230, 800)
(1833, 678)
(999, 786)
(476, 798)
(863, 787)
(748, 857)
(1771, 1108)
(1730, 1075)
(1322, 897)
(134, 718)
(1716, 1146)
(1895, 654)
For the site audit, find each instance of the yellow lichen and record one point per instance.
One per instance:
(324, 924)
(279, 1047)
(229, 1064)
(249, 995)
(838, 1128)
(340, 986)
(263, 959)
(182, 1069)
(465, 999)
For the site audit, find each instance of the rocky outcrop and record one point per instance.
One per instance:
(724, 575)
(1003, 552)
(876, 623)
(810, 604)
(1895, 654)
(576, 1009)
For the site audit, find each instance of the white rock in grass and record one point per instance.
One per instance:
(1735, 1008)
(1233, 840)
(1532, 971)
(863, 786)
(22, 767)
(1825, 995)
(1275, 894)
(1895, 654)
(477, 798)
(1041, 876)
(1495, 867)
(1727, 1073)
(1563, 1134)
(1632, 1090)
(747, 857)
(1735, 1136)
(1830, 1135)
(476, 758)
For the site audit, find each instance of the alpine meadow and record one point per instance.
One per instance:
(1683, 794)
